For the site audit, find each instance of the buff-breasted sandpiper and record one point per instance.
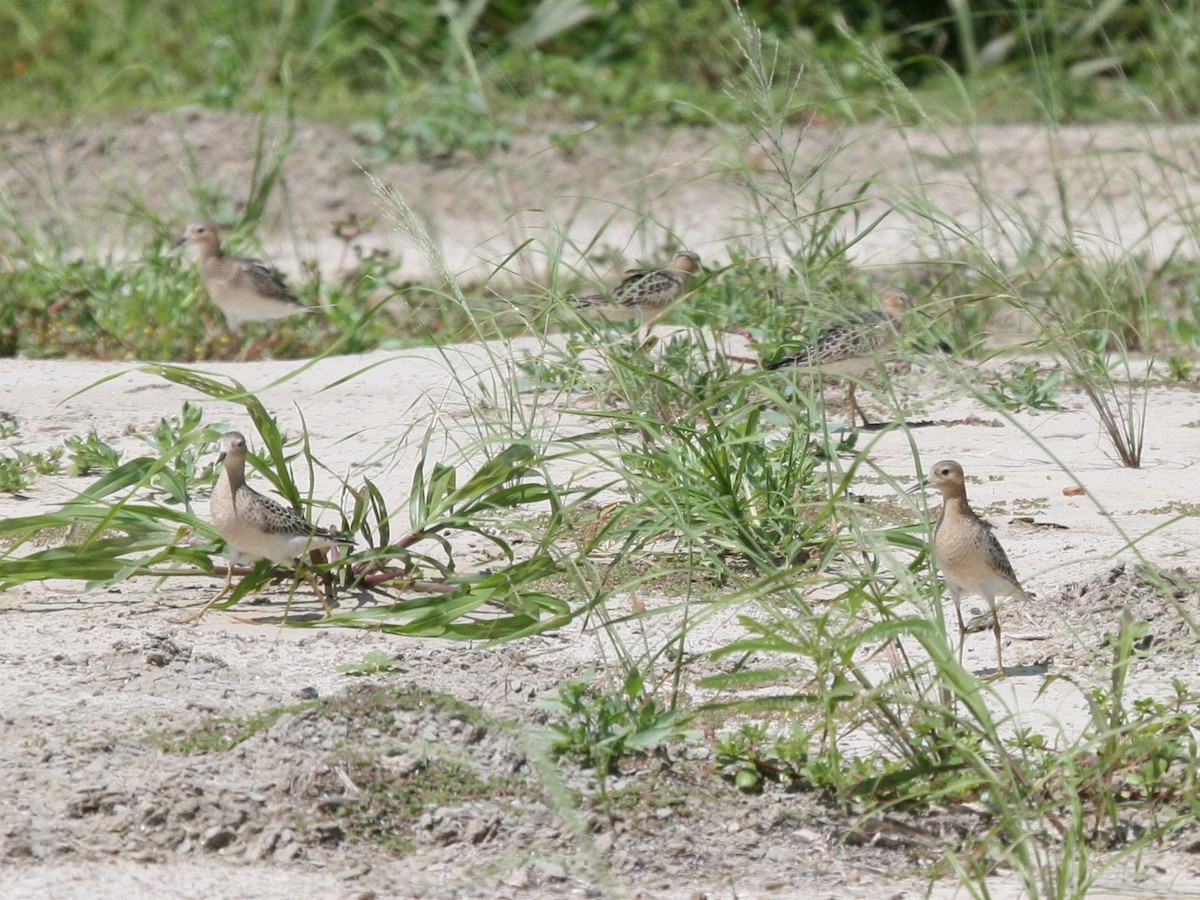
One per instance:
(648, 292)
(853, 347)
(244, 290)
(967, 552)
(256, 527)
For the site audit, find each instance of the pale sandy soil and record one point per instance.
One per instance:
(91, 809)
(1125, 189)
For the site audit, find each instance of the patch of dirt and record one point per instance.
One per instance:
(1163, 607)
(113, 767)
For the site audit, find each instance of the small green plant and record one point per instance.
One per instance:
(600, 730)
(1120, 402)
(556, 369)
(392, 803)
(1180, 368)
(20, 470)
(89, 455)
(186, 442)
(1029, 386)
(752, 757)
(375, 662)
(454, 119)
(48, 462)
(218, 735)
(14, 476)
(229, 76)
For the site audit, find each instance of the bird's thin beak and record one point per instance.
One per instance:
(221, 457)
(919, 486)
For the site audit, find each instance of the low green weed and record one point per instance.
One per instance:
(562, 369)
(48, 462)
(1029, 386)
(375, 662)
(1180, 368)
(751, 756)
(89, 455)
(14, 475)
(221, 734)
(453, 119)
(186, 443)
(600, 730)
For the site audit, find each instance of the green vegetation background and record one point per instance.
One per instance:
(381, 60)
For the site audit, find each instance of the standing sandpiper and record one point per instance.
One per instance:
(256, 527)
(243, 289)
(968, 553)
(853, 346)
(648, 290)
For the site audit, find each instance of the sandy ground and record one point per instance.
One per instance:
(90, 676)
(1106, 189)
(92, 809)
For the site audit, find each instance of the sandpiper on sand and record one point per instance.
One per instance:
(257, 527)
(968, 553)
(853, 346)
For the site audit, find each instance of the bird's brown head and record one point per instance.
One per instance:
(686, 261)
(896, 302)
(947, 477)
(202, 238)
(232, 445)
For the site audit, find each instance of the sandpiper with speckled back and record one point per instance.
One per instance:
(853, 346)
(256, 527)
(648, 292)
(244, 290)
(968, 554)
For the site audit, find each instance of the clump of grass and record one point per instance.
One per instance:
(1028, 386)
(601, 729)
(117, 530)
(388, 801)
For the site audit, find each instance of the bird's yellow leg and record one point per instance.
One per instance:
(315, 585)
(648, 324)
(856, 410)
(225, 589)
(962, 629)
(999, 673)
